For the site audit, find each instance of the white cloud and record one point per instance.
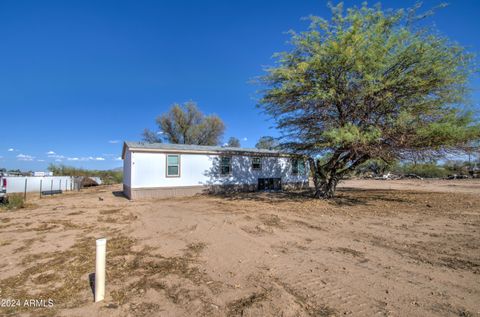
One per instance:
(114, 141)
(60, 158)
(56, 157)
(83, 159)
(11, 150)
(40, 160)
(225, 144)
(159, 132)
(25, 157)
(245, 139)
(118, 158)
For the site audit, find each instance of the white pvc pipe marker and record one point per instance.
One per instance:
(100, 269)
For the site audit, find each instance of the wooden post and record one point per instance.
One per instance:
(41, 188)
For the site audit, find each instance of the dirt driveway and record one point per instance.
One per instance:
(369, 252)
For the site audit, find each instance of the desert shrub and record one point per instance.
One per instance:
(13, 202)
(111, 177)
(458, 167)
(108, 176)
(426, 170)
(375, 166)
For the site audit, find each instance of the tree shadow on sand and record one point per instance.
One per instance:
(344, 196)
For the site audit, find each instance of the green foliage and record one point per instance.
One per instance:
(458, 167)
(233, 142)
(150, 136)
(108, 176)
(187, 125)
(369, 84)
(376, 166)
(350, 134)
(15, 201)
(426, 170)
(267, 143)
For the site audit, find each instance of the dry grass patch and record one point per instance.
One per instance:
(62, 275)
(26, 245)
(194, 249)
(237, 307)
(117, 219)
(153, 270)
(5, 242)
(110, 211)
(76, 213)
(271, 220)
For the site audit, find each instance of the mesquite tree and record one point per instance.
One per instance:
(186, 125)
(369, 84)
(267, 143)
(233, 142)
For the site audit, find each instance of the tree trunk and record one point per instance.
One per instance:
(325, 188)
(327, 176)
(325, 183)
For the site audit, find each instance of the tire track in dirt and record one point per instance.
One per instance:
(335, 295)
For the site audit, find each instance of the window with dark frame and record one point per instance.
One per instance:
(301, 167)
(173, 165)
(225, 165)
(294, 166)
(257, 163)
(298, 166)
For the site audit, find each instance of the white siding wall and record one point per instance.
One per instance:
(148, 170)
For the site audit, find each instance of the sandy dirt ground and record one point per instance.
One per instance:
(428, 185)
(396, 248)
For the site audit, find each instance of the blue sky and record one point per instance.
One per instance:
(79, 77)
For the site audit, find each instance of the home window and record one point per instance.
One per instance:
(225, 165)
(295, 166)
(301, 167)
(256, 163)
(298, 166)
(173, 165)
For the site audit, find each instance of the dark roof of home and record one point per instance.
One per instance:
(166, 147)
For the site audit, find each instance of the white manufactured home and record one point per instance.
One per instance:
(162, 170)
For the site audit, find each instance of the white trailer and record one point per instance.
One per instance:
(162, 170)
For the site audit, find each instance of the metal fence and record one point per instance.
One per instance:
(30, 184)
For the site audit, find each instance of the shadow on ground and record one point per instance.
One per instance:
(119, 193)
(344, 197)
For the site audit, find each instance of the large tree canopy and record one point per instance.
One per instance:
(233, 142)
(369, 84)
(187, 125)
(267, 143)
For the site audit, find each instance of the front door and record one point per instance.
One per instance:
(269, 184)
